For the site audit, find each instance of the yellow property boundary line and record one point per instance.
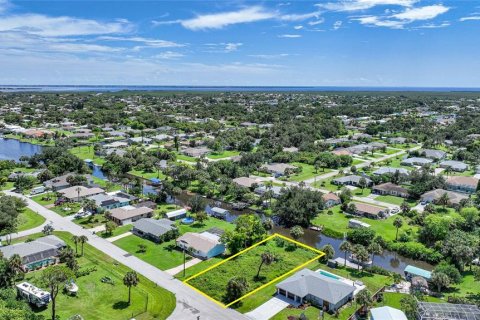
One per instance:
(320, 254)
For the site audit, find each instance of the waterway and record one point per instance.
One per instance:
(11, 149)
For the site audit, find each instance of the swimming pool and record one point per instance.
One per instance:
(328, 274)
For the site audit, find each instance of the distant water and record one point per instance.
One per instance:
(86, 88)
(11, 149)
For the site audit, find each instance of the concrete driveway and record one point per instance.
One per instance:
(269, 308)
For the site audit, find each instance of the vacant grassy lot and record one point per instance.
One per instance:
(287, 257)
(394, 200)
(86, 152)
(29, 219)
(147, 175)
(223, 154)
(308, 171)
(338, 221)
(97, 300)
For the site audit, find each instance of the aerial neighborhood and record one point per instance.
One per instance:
(274, 205)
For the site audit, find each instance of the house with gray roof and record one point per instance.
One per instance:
(314, 287)
(391, 189)
(278, 169)
(454, 198)
(203, 245)
(352, 180)
(458, 166)
(36, 254)
(390, 171)
(60, 182)
(155, 230)
(129, 214)
(433, 154)
(416, 161)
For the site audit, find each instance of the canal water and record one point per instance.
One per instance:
(11, 149)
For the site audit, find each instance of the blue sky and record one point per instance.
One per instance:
(317, 43)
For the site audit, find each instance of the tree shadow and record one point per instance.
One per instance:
(120, 305)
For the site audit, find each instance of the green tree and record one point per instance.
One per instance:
(236, 288)
(329, 252)
(346, 247)
(296, 232)
(110, 226)
(266, 258)
(375, 249)
(54, 278)
(397, 223)
(76, 240)
(361, 254)
(130, 280)
(405, 207)
(409, 306)
(82, 240)
(444, 200)
(364, 299)
(440, 280)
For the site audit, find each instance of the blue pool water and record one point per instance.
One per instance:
(188, 220)
(328, 274)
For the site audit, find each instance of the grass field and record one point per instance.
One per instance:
(118, 231)
(86, 152)
(308, 171)
(394, 200)
(287, 257)
(97, 300)
(147, 175)
(338, 222)
(222, 155)
(29, 220)
(183, 157)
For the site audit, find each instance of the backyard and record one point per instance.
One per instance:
(98, 300)
(287, 257)
(308, 172)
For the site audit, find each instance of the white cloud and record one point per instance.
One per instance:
(270, 56)
(356, 5)
(38, 24)
(4, 4)
(315, 22)
(300, 17)
(168, 55)
(225, 47)
(434, 26)
(298, 27)
(378, 22)
(289, 36)
(223, 19)
(337, 25)
(472, 18)
(421, 13)
(155, 43)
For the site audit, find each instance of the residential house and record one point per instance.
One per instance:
(390, 171)
(203, 245)
(162, 137)
(196, 152)
(391, 189)
(246, 182)
(290, 149)
(109, 202)
(369, 210)
(217, 212)
(115, 145)
(341, 152)
(78, 193)
(330, 199)
(307, 286)
(128, 214)
(354, 223)
(352, 180)
(397, 140)
(139, 140)
(387, 313)
(35, 254)
(60, 182)
(458, 166)
(261, 190)
(433, 154)
(454, 198)
(462, 184)
(416, 161)
(155, 230)
(278, 169)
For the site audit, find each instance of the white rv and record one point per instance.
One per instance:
(33, 295)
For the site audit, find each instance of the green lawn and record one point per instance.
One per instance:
(183, 157)
(118, 231)
(308, 171)
(29, 220)
(42, 142)
(338, 222)
(223, 154)
(362, 193)
(97, 300)
(91, 221)
(356, 162)
(327, 184)
(214, 282)
(147, 175)
(394, 200)
(7, 186)
(86, 152)
(67, 209)
(44, 199)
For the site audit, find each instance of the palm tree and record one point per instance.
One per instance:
(130, 280)
(364, 298)
(444, 200)
(397, 223)
(404, 207)
(346, 247)
(82, 240)
(375, 249)
(267, 258)
(76, 240)
(15, 266)
(361, 255)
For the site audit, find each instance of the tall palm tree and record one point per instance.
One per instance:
(82, 240)
(397, 223)
(130, 280)
(76, 240)
(346, 247)
(267, 258)
(15, 267)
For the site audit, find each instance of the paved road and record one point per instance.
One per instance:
(190, 304)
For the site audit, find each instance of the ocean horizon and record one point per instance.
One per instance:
(117, 88)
